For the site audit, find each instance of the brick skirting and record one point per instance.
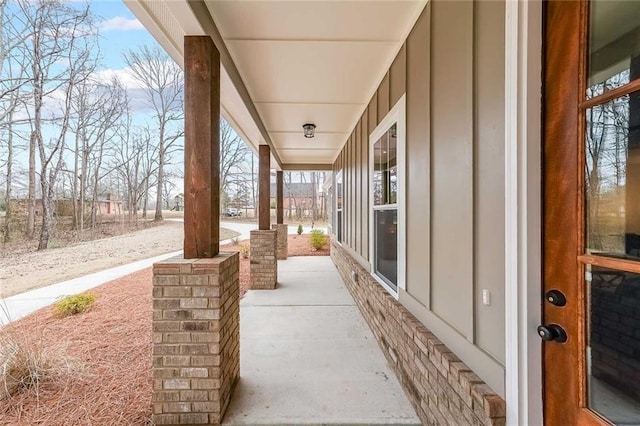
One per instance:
(283, 240)
(196, 338)
(441, 388)
(263, 260)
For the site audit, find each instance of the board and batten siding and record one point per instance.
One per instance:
(451, 68)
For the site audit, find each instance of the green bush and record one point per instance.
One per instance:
(317, 240)
(299, 229)
(71, 305)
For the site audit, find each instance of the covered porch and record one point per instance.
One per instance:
(403, 103)
(308, 356)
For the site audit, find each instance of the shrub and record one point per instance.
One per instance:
(26, 363)
(299, 229)
(317, 239)
(71, 305)
(244, 250)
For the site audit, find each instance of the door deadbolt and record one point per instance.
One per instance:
(552, 333)
(555, 297)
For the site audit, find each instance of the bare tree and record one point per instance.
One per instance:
(97, 108)
(287, 185)
(168, 189)
(62, 55)
(162, 80)
(12, 79)
(233, 157)
(134, 161)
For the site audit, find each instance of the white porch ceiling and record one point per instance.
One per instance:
(300, 61)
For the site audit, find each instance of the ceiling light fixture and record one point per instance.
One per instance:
(309, 128)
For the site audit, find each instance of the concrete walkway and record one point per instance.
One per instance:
(245, 228)
(308, 357)
(19, 306)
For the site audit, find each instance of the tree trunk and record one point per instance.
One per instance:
(8, 215)
(145, 201)
(158, 215)
(31, 200)
(74, 186)
(46, 184)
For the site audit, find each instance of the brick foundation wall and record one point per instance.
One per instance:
(441, 388)
(262, 260)
(282, 245)
(615, 329)
(196, 338)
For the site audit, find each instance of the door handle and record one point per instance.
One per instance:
(552, 333)
(556, 298)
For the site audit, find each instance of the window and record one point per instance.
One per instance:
(339, 188)
(387, 166)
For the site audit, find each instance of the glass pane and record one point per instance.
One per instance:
(612, 180)
(386, 245)
(392, 165)
(339, 191)
(613, 344)
(614, 44)
(385, 170)
(339, 225)
(378, 164)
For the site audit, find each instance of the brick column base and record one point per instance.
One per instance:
(283, 240)
(263, 261)
(196, 338)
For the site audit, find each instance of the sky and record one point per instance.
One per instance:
(119, 31)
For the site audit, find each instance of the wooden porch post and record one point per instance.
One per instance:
(201, 148)
(196, 300)
(279, 198)
(264, 185)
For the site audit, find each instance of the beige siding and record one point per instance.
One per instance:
(489, 176)
(373, 113)
(383, 98)
(364, 171)
(452, 71)
(452, 164)
(418, 157)
(398, 77)
(353, 186)
(357, 191)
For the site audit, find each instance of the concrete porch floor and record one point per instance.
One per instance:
(307, 355)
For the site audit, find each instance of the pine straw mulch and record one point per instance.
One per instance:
(105, 355)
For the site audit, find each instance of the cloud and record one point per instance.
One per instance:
(120, 23)
(124, 75)
(137, 97)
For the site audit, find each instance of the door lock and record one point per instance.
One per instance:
(555, 297)
(552, 333)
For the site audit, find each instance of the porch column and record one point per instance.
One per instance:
(264, 188)
(281, 228)
(196, 313)
(262, 257)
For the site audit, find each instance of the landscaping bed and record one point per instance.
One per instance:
(96, 367)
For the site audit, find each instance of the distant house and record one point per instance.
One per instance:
(298, 195)
(109, 205)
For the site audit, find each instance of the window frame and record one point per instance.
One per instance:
(397, 115)
(339, 185)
